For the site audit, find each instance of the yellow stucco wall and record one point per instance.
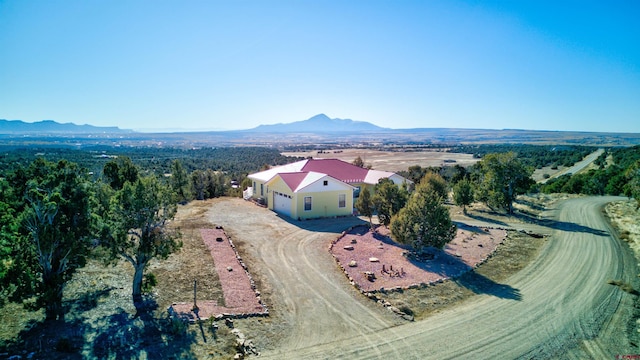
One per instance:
(323, 204)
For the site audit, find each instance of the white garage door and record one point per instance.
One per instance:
(282, 203)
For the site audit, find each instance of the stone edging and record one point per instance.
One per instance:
(372, 294)
(265, 311)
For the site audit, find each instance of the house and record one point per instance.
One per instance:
(314, 188)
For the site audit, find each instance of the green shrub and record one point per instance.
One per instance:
(149, 282)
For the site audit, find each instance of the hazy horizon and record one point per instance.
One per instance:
(530, 65)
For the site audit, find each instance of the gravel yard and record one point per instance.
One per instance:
(361, 252)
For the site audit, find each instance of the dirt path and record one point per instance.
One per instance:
(312, 297)
(566, 306)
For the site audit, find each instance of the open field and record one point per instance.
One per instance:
(392, 160)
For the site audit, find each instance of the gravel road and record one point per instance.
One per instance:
(577, 167)
(563, 304)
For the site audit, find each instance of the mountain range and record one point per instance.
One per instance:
(320, 123)
(52, 127)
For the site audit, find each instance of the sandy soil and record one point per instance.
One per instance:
(391, 160)
(392, 269)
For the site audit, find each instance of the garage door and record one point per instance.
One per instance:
(282, 203)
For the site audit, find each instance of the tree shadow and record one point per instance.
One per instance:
(529, 218)
(559, 225)
(57, 339)
(454, 268)
(481, 284)
(61, 339)
(143, 336)
(530, 204)
(476, 216)
(87, 300)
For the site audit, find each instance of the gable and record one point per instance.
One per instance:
(323, 183)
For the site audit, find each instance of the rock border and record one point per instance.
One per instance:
(423, 285)
(192, 317)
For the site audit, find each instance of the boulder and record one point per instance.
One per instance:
(353, 263)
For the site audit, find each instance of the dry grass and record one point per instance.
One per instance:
(101, 320)
(626, 219)
(392, 160)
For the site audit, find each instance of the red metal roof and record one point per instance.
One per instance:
(293, 179)
(338, 169)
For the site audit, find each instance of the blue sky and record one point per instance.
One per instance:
(549, 65)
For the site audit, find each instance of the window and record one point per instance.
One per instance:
(261, 189)
(325, 183)
(307, 203)
(342, 200)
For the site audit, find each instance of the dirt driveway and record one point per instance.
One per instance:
(566, 304)
(301, 285)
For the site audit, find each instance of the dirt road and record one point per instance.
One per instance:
(562, 304)
(577, 167)
(314, 299)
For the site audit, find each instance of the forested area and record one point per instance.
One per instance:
(617, 174)
(537, 156)
(59, 206)
(236, 162)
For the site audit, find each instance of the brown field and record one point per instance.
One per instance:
(392, 160)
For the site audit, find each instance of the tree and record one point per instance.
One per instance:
(632, 188)
(58, 224)
(137, 228)
(415, 173)
(9, 238)
(180, 181)
(215, 184)
(424, 221)
(437, 183)
(199, 184)
(364, 205)
(358, 162)
(463, 194)
(388, 200)
(117, 172)
(501, 177)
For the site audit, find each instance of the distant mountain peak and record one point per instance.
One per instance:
(320, 123)
(53, 127)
